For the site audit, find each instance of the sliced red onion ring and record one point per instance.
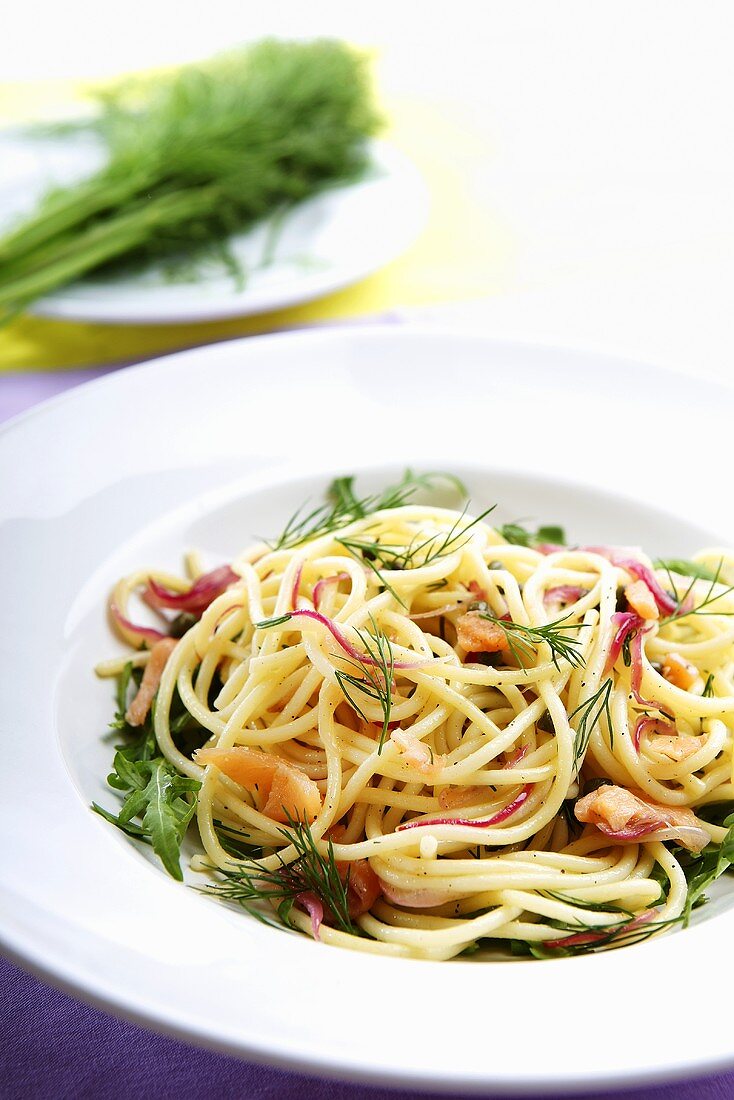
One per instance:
(142, 633)
(647, 722)
(474, 823)
(296, 586)
(665, 603)
(319, 587)
(340, 637)
(564, 593)
(415, 899)
(445, 610)
(315, 910)
(516, 757)
(626, 622)
(636, 654)
(203, 591)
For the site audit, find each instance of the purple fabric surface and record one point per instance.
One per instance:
(57, 1048)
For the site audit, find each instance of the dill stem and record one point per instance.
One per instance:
(73, 257)
(64, 212)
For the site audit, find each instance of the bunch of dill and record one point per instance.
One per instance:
(194, 157)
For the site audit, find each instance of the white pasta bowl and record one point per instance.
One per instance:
(211, 449)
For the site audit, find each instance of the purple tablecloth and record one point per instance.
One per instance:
(55, 1047)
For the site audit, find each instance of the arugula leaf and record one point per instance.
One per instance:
(161, 797)
(687, 568)
(155, 794)
(703, 869)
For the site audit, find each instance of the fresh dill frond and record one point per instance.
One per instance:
(312, 871)
(686, 568)
(590, 906)
(419, 552)
(344, 506)
(682, 611)
(611, 935)
(375, 680)
(524, 640)
(589, 714)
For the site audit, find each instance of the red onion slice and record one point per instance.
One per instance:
(319, 587)
(340, 637)
(142, 633)
(296, 586)
(645, 722)
(564, 593)
(474, 823)
(315, 910)
(203, 591)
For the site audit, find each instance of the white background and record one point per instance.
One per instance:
(605, 134)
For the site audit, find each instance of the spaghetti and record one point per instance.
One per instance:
(415, 735)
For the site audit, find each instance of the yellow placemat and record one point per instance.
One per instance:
(463, 253)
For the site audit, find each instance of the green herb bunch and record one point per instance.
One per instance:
(194, 157)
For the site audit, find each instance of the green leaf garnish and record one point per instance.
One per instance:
(518, 535)
(159, 803)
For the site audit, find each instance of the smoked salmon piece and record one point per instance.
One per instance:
(137, 712)
(626, 815)
(363, 885)
(283, 789)
(478, 635)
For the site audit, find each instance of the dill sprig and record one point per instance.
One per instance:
(611, 935)
(374, 681)
(312, 871)
(343, 506)
(419, 552)
(683, 612)
(524, 640)
(590, 712)
(686, 568)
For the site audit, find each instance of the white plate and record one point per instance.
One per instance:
(323, 244)
(210, 447)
